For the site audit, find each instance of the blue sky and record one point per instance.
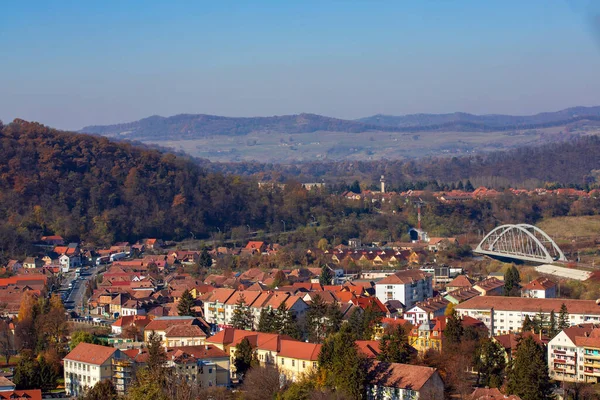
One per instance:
(74, 63)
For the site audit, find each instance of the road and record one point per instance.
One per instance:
(74, 301)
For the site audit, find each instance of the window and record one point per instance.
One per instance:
(314, 364)
(303, 364)
(282, 361)
(293, 363)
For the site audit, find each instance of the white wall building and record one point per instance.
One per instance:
(503, 315)
(408, 287)
(87, 365)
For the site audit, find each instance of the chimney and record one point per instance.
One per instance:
(206, 347)
(140, 350)
(382, 180)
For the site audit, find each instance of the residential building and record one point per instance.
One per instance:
(506, 314)
(574, 354)
(540, 288)
(430, 335)
(426, 310)
(69, 262)
(395, 381)
(88, 364)
(510, 341)
(491, 394)
(162, 325)
(295, 359)
(408, 287)
(460, 282)
(459, 295)
(490, 287)
(214, 307)
(210, 360)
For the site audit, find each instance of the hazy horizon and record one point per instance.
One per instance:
(74, 65)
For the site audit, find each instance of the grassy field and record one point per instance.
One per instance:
(318, 146)
(571, 227)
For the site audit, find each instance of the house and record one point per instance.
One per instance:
(426, 310)
(68, 262)
(152, 243)
(440, 244)
(541, 288)
(54, 240)
(408, 287)
(490, 287)
(460, 282)
(254, 247)
(207, 357)
(33, 262)
(459, 295)
(88, 364)
(510, 341)
(506, 314)
(395, 381)
(161, 325)
(7, 391)
(214, 306)
(184, 335)
(123, 322)
(430, 335)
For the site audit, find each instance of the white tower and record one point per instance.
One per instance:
(382, 180)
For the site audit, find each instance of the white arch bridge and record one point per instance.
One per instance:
(521, 242)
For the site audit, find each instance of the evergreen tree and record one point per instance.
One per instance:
(563, 317)
(539, 322)
(341, 365)
(512, 281)
(552, 326)
(371, 318)
(157, 357)
(245, 357)
(315, 320)
(354, 325)
(489, 362)
(205, 259)
(267, 321)
(333, 319)
(326, 276)
(454, 329)
(460, 186)
(286, 323)
(355, 187)
(394, 346)
(186, 302)
(469, 186)
(528, 375)
(528, 325)
(242, 315)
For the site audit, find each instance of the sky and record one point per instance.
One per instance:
(69, 64)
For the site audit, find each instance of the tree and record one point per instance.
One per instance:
(7, 347)
(103, 390)
(266, 321)
(539, 322)
(82, 337)
(528, 325)
(245, 357)
(489, 362)
(469, 186)
(512, 281)
(186, 304)
(394, 347)
(26, 374)
(355, 187)
(157, 357)
(285, 322)
(146, 386)
(326, 277)
(205, 259)
(563, 317)
(342, 366)
(261, 383)
(449, 310)
(528, 375)
(454, 329)
(315, 320)
(371, 318)
(323, 244)
(242, 315)
(552, 326)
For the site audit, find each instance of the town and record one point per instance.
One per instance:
(87, 321)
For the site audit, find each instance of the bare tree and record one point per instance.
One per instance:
(261, 383)
(7, 344)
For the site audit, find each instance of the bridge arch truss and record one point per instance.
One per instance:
(522, 242)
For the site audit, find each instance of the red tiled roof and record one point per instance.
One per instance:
(461, 281)
(184, 331)
(299, 350)
(403, 277)
(539, 284)
(491, 394)
(161, 324)
(90, 353)
(369, 348)
(201, 352)
(396, 375)
(30, 394)
(530, 305)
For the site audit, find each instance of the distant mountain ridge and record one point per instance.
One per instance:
(489, 121)
(194, 126)
(191, 126)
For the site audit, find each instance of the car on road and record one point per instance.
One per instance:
(97, 320)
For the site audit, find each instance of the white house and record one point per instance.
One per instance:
(68, 262)
(426, 310)
(408, 287)
(395, 381)
(540, 288)
(573, 354)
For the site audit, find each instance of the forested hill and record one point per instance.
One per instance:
(485, 122)
(87, 187)
(573, 162)
(192, 126)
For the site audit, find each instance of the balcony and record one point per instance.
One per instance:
(587, 363)
(590, 371)
(593, 356)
